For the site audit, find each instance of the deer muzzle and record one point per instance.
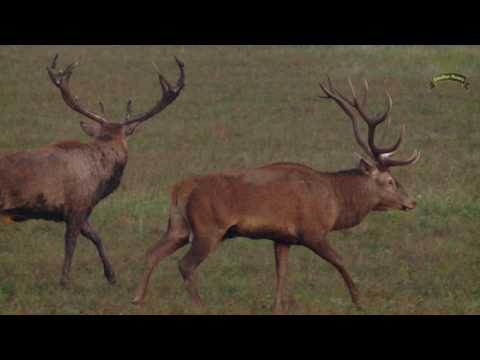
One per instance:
(409, 205)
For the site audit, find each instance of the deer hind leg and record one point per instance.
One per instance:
(88, 232)
(71, 234)
(176, 237)
(281, 262)
(201, 247)
(325, 251)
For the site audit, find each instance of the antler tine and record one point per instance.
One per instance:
(54, 62)
(389, 106)
(327, 92)
(386, 162)
(344, 98)
(386, 114)
(392, 149)
(344, 105)
(181, 80)
(129, 110)
(330, 84)
(169, 94)
(365, 94)
(387, 127)
(102, 108)
(359, 107)
(352, 88)
(61, 79)
(164, 84)
(330, 93)
(380, 155)
(380, 118)
(335, 92)
(373, 122)
(69, 68)
(51, 68)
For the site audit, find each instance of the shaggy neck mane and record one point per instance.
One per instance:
(355, 197)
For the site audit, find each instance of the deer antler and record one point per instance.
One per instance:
(61, 79)
(169, 94)
(376, 153)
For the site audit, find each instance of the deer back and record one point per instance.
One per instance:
(51, 181)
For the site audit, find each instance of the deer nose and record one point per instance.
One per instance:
(410, 205)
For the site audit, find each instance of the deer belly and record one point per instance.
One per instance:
(256, 227)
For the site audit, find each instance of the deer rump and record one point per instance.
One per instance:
(52, 182)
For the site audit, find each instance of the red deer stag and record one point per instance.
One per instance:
(288, 203)
(64, 181)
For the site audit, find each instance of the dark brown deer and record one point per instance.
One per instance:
(64, 181)
(291, 204)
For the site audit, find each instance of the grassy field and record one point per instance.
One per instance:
(248, 106)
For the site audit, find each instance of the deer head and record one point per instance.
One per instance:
(389, 193)
(101, 127)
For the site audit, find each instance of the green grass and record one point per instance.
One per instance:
(247, 106)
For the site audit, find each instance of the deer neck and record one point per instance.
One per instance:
(356, 198)
(112, 157)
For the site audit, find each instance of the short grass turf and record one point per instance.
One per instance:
(249, 106)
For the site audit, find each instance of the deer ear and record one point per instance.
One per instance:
(91, 129)
(363, 164)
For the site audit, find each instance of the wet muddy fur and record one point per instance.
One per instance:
(64, 181)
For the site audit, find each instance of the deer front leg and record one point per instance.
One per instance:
(323, 249)
(281, 262)
(88, 232)
(71, 235)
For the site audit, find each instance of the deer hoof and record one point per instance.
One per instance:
(137, 301)
(357, 304)
(65, 283)
(198, 303)
(278, 309)
(112, 279)
(359, 307)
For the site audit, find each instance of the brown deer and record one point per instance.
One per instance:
(64, 181)
(291, 204)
